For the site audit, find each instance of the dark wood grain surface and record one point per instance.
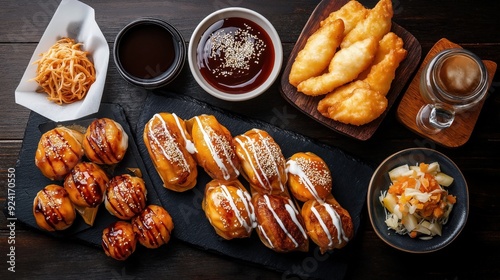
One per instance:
(474, 254)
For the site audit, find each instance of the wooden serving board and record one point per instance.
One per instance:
(308, 104)
(463, 125)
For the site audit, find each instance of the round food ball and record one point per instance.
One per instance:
(153, 227)
(53, 209)
(119, 240)
(125, 196)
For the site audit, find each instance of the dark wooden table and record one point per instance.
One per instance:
(474, 255)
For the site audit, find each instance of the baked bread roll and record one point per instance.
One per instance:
(308, 177)
(58, 151)
(86, 187)
(262, 162)
(105, 141)
(52, 208)
(119, 240)
(215, 150)
(125, 196)
(328, 224)
(170, 148)
(153, 226)
(279, 225)
(228, 208)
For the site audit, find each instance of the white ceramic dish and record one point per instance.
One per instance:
(229, 13)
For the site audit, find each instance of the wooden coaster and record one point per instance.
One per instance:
(461, 129)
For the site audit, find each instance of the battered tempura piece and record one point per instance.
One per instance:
(377, 23)
(317, 53)
(345, 66)
(389, 55)
(351, 14)
(364, 100)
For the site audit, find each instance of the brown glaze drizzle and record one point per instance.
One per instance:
(152, 227)
(126, 196)
(90, 181)
(102, 150)
(48, 203)
(58, 153)
(118, 240)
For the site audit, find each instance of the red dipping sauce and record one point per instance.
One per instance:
(235, 55)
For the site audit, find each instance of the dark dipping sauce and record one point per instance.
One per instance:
(146, 51)
(235, 55)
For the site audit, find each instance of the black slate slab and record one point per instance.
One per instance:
(29, 179)
(350, 182)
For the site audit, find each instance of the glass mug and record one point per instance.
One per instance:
(454, 81)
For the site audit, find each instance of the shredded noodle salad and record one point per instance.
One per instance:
(417, 202)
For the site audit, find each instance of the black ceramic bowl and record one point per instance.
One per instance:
(149, 52)
(380, 181)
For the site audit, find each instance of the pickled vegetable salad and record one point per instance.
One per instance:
(416, 202)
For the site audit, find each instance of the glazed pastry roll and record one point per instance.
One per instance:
(153, 226)
(215, 150)
(119, 240)
(308, 177)
(86, 187)
(126, 196)
(279, 224)
(52, 208)
(328, 224)
(262, 161)
(170, 148)
(58, 151)
(105, 141)
(228, 208)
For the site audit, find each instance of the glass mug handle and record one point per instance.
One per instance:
(432, 118)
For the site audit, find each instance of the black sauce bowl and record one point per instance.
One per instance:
(156, 75)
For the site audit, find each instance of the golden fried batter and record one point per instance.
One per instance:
(317, 53)
(377, 23)
(345, 66)
(351, 14)
(359, 107)
(389, 55)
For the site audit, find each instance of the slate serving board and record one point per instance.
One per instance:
(350, 182)
(29, 179)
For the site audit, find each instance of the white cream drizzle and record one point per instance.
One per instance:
(336, 220)
(227, 195)
(249, 158)
(294, 168)
(189, 144)
(279, 221)
(265, 236)
(165, 153)
(275, 160)
(213, 151)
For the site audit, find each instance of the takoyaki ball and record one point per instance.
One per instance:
(86, 184)
(53, 209)
(126, 196)
(58, 151)
(105, 141)
(153, 227)
(119, 240)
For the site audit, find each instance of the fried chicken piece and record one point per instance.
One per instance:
(317, 53)
(377, 23)
(389, 55)
(351, 14)
(345, 66)
(354, 103)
